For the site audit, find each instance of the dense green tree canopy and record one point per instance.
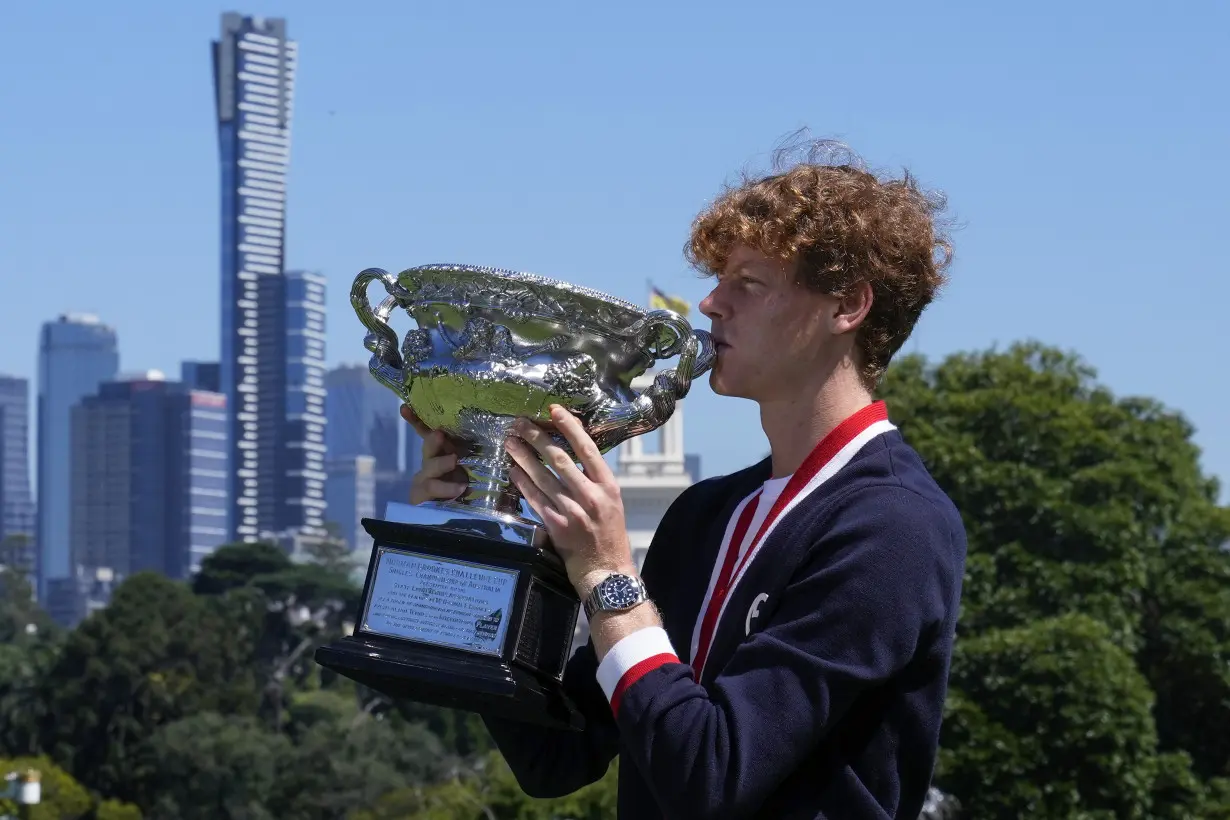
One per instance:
(1096, 587)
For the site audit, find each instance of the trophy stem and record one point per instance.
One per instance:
(491, 490)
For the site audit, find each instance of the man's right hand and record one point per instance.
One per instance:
(439, 477)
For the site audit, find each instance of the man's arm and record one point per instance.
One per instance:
(555, 762)
(855, 615)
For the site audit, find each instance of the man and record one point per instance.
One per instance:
(788, 653)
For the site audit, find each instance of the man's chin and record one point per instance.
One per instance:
(718, 384)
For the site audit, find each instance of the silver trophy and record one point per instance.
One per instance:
(465, 604)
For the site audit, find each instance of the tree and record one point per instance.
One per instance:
(305, 605)
(210, 767)
(1049, 720)
(155, 655)
(1075, 502)
(62, 798)
(339, 766)
(238, 565)
(487, 790)
(21, 619)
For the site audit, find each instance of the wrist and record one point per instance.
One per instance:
(589, 579)
(608, 628)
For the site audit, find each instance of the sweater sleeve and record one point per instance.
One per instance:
(877, 582)
(554, 762)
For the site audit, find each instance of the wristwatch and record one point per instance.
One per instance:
(615, 593)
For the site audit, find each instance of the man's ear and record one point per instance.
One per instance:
(851, 310)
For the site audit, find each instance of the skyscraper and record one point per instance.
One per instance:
(201, 376)
(301, 464)
(351, 493)
(363, 417)
(254, 71)
(16, 501)
(76, 353)
(149, 477)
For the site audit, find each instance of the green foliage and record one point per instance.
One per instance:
(115, 810)
(1049, 720)
(488, 791)
(1186, 651)
(156, 654)
(237, 565)
(62, 797)
(209, 766)
(1080, 507)
(22, 621)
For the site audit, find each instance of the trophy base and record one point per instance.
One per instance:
(462, 620)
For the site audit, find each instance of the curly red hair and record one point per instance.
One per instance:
(837, 225)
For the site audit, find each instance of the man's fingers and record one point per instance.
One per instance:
(554, 456)
(440, 477)
(537, 499)
(415, 422)
(534, 470)
(438, 465)
(438, 488)
(435, 443)
(582, 444)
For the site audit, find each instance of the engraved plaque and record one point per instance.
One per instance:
(440, 601)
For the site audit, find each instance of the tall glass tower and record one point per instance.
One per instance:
(76, 354)
(254, 73)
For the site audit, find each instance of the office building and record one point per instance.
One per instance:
(300, 492)
(77, 352)
(350, 492)
(16, 500)
(205, 376)
(364, 419)
(149, 477)
(254, 72)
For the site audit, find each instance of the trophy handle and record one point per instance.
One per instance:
(663, 333)
(386, 364)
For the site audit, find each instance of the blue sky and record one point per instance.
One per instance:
(1082, 146)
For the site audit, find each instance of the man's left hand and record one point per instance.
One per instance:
(582, 511)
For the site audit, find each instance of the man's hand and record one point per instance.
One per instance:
(439, 477)
(582, 511)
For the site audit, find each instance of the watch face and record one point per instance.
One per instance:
(619, 592)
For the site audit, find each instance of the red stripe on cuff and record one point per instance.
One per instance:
(637, 672)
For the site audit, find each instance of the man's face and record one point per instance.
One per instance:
(771, 332)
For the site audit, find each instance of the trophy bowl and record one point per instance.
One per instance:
(492, 345)
(465, 604)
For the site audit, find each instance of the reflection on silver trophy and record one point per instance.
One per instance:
(492, 345)
(465, 604)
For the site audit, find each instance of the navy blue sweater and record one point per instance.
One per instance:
(824, 685)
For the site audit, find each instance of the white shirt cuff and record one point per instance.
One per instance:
(629, 653)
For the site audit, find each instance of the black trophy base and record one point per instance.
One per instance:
(416, 639)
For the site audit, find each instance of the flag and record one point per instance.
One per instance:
(661, 301)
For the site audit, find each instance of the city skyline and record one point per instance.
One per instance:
(592, 174)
